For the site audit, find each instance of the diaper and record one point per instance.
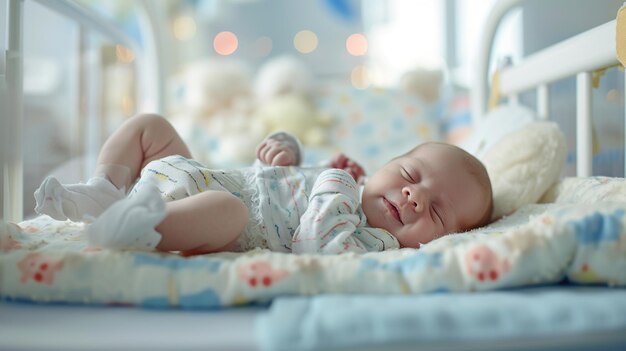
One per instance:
(177, 177)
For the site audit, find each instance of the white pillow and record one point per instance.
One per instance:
(586, 190)
(524, 164)
(494, 126)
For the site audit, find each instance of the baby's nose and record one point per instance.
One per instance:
(415, 197)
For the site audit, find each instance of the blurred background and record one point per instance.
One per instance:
(367, 77)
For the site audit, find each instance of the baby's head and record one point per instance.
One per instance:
(430, 191)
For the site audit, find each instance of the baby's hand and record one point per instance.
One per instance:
(342, 161)
(276, 153)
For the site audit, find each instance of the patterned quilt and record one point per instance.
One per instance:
(579, 236)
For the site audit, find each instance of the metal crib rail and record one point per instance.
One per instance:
(569, 58)
(12, 91)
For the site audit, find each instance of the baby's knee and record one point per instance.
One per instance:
(151, 120)
(237, 210)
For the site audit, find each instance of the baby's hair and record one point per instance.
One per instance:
(477, 170)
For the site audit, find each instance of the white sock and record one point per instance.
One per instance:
(129, 224)
(78, 202)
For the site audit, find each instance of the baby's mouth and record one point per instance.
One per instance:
(393, 210)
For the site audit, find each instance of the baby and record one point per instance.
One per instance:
(178, 205)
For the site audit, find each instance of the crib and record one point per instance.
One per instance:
(386, 300)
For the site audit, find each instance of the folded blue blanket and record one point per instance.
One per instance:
(555, 315)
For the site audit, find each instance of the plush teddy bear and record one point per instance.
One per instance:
(224, 116)
(295, 114)
(283, 75)
(214, 85)
(423, 83)
(234, 138)
(212, 111)
(284, 89)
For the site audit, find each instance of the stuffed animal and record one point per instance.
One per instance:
(224, 118)
(215, 85)
(284, 92)
(424, 83)
(295, 114)
(523, 156)
(216, 103)
(282, 76)
(236, 136)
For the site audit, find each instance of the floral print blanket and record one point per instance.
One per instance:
(579, 235)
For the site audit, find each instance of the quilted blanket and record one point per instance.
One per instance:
(579, 236)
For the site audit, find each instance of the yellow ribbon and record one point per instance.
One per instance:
(597, 74)
(494, 96)
(620, 35)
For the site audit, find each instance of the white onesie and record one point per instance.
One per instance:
(293, 209)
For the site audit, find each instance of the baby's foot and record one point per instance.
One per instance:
(129, 224)
(75, 201)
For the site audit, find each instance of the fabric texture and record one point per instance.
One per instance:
(130, 224)
(374, 125)
(583, 242)
(524, 164)
(278, 199)
(177, 177)
(334, 223)
(519, 316)
(588, 189)
(77, 202)
(523, 156)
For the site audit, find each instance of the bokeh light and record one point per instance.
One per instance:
(263, 46)
(128, 105)
(184, 28)
(225, 43)
(356, 44)
(360, 77)
(305, 41)
(124, 54)
(613, 95)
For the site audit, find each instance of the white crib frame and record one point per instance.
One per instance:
(66, 319)
(148, 68)
(565, 59)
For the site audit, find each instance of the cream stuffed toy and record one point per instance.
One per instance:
(238, 134)
(424, 83)
(216, 110)
(524, 157)
(295, 114)
(524, 165)
(283, 75)
(216, 85)
(224, 117)
(284, 89)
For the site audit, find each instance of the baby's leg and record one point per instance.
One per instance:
(138, 141)
(206, 222)
(210, 221)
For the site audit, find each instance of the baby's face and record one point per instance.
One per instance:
(423, 195)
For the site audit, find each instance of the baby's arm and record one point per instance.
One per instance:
(284, 149)
(331, 223)
(280, 149)
(342, 161)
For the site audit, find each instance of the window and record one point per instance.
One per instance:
(403, 35)
(471, 16)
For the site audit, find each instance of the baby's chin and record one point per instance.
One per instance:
(413, 242)
(410, 245)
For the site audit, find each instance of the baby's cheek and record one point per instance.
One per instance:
(428, 231)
